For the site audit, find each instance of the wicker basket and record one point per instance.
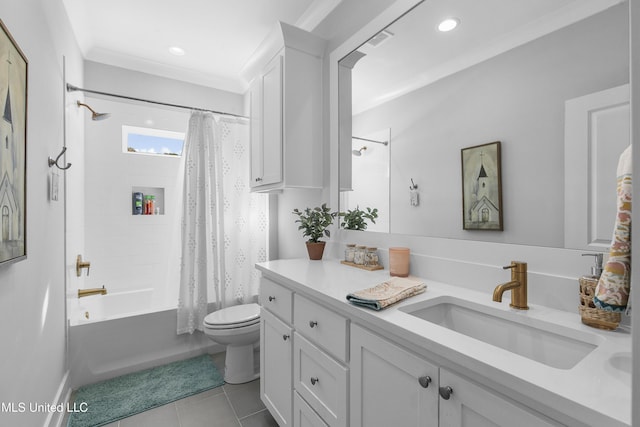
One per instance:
(591, 315)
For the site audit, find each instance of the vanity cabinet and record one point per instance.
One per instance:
(389, 385)
(285, 107)
(392, 386)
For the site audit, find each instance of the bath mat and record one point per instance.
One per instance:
(130, 394)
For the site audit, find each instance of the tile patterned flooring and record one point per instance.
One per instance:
(228, 406)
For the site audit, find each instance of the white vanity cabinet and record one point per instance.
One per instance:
(392, 386)
(285, 106)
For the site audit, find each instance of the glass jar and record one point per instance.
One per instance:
(358, 257)
(350, 252)
(371, 257)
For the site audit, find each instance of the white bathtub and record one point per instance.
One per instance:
(126, 332)
(97, 308)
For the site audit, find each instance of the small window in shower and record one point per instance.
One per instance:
(138, 140)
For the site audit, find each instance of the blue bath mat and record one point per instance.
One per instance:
(131, 394)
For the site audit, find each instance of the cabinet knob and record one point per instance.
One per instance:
(314, 380)
(258, 179)
(286, 337)
(446, 392)
(313, 324)
(425, 381)
(272, 299)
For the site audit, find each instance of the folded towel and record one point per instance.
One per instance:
(612, 292)
(387, 293)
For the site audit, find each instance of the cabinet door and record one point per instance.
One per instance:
(276, 365)
(470, 405)
(272, 105)
(255, 113)
(389, 385)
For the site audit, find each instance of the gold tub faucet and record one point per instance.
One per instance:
(92, 291)
(517, 286)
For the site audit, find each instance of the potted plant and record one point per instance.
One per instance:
(314, 224)
(356, 219)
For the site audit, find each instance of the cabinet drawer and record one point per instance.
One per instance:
(276, 298)
(303, 415)
(322, 326)
(321, 381)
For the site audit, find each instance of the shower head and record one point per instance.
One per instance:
(94, 115)
(358, 153)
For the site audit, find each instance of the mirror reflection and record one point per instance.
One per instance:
(509, 72)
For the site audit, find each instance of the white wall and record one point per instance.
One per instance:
(32, 298)
(517, 98)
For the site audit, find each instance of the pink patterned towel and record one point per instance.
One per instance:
(612, 292)
(387, 293)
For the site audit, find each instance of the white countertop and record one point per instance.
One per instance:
(596, 391)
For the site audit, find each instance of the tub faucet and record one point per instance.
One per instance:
(517, 286)
(92, 291)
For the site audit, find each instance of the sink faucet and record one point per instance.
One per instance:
(517, 286)
(93, 291)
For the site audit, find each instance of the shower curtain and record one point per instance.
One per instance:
(224, 226)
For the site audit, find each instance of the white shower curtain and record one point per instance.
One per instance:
(224, 226)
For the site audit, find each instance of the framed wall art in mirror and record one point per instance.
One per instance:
(13, 130)
(482, 187)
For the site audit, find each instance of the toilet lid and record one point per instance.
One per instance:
(238, 315)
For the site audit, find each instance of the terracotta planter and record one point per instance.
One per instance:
(315, 250)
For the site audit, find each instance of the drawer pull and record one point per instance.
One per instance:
(313, 324)
(446, 392)
(314, 380)
(425, 381)
(258, 179)
(286, 337)
(272, 298)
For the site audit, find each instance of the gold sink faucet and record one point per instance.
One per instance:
(517, 286)
(93, 291)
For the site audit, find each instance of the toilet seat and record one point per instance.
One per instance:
(237, 316)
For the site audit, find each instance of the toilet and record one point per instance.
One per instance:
(238, 328)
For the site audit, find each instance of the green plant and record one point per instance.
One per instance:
(314, 222)
(356, 219)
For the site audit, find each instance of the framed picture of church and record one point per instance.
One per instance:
(13, 145)
(481, 187)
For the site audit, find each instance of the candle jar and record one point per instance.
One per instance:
(350, 252)
(399, 262)
(358, 257)
(371, 257)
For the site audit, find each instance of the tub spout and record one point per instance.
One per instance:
(517, 286)
(92, 291)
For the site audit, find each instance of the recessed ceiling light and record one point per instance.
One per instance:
(177, 51)
(448, 24)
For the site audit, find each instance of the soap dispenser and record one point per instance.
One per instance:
(590, 314)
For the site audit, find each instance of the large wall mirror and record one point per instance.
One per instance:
(540, 76)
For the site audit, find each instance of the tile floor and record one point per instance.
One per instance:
(227, 406)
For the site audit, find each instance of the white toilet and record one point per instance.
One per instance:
(238, 328)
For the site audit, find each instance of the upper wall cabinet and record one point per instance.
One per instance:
(285, 99)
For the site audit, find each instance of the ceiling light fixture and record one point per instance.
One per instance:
(177, 51)
(448, 24)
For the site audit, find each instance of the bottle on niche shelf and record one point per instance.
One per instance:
(138, 203)
(149, 205)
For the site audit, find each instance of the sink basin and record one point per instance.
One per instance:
(544, 342)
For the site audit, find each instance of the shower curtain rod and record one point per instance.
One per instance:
(370, 140)
(72, 88)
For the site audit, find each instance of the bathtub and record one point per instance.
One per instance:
(96, 308)
(119, 333)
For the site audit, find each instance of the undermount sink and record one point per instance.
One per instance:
(544, 342)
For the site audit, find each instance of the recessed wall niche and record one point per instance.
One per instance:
(156, 192)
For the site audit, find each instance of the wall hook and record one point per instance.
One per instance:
(55, 162)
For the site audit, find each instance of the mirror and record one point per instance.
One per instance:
(508, 73)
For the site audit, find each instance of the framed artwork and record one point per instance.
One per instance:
(13, 150)
(482, 187)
